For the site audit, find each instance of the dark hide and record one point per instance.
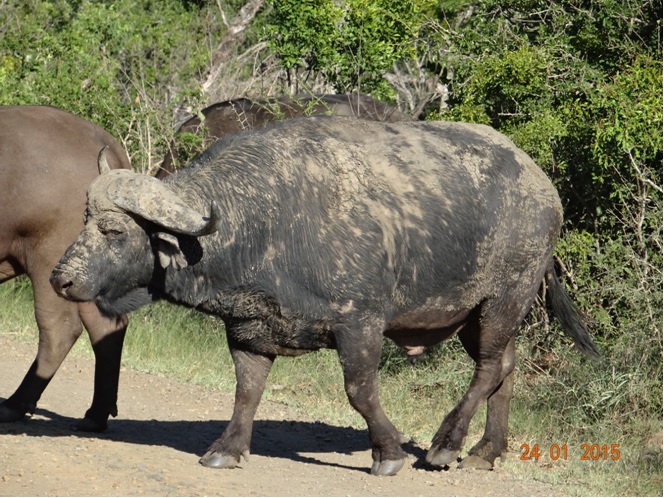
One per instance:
(233, 116)
(333, 233)
(48, 158)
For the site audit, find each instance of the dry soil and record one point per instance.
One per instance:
(153, 447)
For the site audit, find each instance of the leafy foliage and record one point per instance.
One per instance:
(351, 43)
(110, 62)
(547, 74)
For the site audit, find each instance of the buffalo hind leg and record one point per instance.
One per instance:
(359, 361)
(493, 332)
(107, 337)
(251, 371)
(494, 441)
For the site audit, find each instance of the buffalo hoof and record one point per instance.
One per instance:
(89, 425)
(441, 457)
(475, 462)
(216, 460)
(387, 467)
(8, 414)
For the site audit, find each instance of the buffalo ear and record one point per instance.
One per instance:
(168, 250)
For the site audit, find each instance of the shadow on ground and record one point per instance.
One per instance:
(293, 440)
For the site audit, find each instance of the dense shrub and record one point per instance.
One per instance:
(352, 44)
(122, 64)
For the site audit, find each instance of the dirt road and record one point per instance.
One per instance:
(153, 447)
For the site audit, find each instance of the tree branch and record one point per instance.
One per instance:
(233, 37)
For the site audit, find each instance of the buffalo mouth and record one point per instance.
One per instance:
(64, 287)
(110, 305)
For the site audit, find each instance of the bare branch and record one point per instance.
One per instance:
(568, 274)
(232, 38)
(642, 177)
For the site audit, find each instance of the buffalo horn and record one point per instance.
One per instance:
(102, 162)
(154, 201)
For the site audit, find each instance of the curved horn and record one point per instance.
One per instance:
(102, 162)
(213, 221)
(153, 200)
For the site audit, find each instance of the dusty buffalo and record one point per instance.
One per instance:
(233, 116)
(332, 233)
(48, 158)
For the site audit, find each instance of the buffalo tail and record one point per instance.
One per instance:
(569, 315)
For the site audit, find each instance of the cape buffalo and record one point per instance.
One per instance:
(48, 158)
(234, 116)
(332, 232)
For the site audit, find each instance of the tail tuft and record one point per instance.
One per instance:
(569, 315)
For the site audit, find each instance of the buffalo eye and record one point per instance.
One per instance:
(112, 233)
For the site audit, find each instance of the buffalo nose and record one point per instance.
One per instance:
(60, 284)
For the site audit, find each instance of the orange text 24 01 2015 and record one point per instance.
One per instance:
(589, 452)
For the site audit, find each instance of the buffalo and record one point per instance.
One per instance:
(330, 232)
(48, 157)
(233, 116)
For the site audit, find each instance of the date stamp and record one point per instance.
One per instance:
(588, 452)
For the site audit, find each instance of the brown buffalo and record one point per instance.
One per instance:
(233, 116)
(48, 158)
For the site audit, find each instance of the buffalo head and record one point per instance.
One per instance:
(133, 225)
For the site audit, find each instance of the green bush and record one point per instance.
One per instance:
(351, 43)
(124, 65)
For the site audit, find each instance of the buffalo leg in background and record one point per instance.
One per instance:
(59, 324)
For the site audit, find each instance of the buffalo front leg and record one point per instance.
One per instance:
(359, 361)
(59, 327)
(251, 371)
(107, 337)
